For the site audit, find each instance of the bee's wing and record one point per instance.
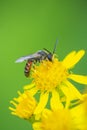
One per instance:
(28, 57)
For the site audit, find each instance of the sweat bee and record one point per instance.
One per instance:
(36, 57)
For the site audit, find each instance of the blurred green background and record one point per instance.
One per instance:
(28, 26)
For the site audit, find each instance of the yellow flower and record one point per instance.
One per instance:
(54, 120)
(62, 119)
(25, 105)
(49, 77)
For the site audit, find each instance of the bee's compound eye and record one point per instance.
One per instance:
(50, 57)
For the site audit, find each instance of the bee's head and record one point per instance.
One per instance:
(50, 56)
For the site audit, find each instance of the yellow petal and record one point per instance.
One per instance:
(33, 91)
(42, 103)
(55, 101)
(29, 86)
(67, 103)
(46, 113)
(78, 113)
(13, 113)
(77, 57)
(73, 58)
(38, 117)
(12, 109)
(67, 92)
(19, 93)
(68, 59)
(37, 126)
(12, 102)
(74, 90)
(79, 78)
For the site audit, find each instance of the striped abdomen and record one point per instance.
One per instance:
(27, 68)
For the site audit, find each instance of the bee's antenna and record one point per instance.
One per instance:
(55, 46)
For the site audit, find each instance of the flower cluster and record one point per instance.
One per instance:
(59, 105)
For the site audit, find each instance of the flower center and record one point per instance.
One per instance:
(49, 75)
(58, 120)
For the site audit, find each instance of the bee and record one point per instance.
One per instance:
(36, 57)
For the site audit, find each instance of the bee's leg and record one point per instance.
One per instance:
(34, 62)
(39, 60)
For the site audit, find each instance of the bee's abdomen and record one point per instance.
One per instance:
(27, 68)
